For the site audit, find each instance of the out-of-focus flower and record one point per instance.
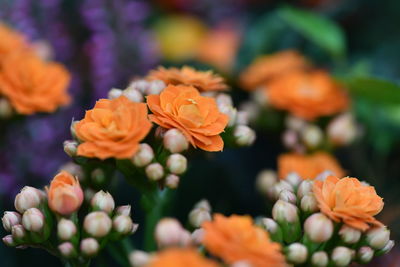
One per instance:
(180, 257)
(169, 232)
(342, 256)
(139, 258)
(177, 163)
(297, 253)
(66, 249)
(320, 259)
(236, 238)
(197, 117)
(89, 247)
(112, 129)
(347, 200)
(10, 41)
(244, 135)
(342, 130)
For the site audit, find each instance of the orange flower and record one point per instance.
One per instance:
(196, 116)
(201, 80)
(308, 95)
(308, 166)
(265, 68)
(236, 238)
(10, 41)
(349, 201)
(65, 195)
(180, 257)
(112, 129)
(33, 85)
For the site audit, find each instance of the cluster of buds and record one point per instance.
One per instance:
(138, 89)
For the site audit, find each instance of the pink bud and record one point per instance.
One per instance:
(139, 258)
(133, 94)
(18, 232)
(297, 253)
(177, 164)
(175, 141)
(266, 179)
(309, 203)
(33, 220)
(318, 228)
(342, 256)
(66, 229)
(270, 225)
(230, 111)
(365, 254)
(304, 188)
(244, 135)
(123, 224)
(320, 259)
(287, 196)
(114, 93)
(294, 179)
(295, 123)
(285, 212)
(349, 235)
(172, 181)
(89, 247)
(66, 249)
(223, 98)
(123, 210)
(143, 156)
(155, 171)
(103, 201)
(290, 138)
(378, 237)
(168, 232)
(10, 218)
(97, 224)
(29, 197)
(203, 204)
(280, 186)
(9, 241)
(312, 136)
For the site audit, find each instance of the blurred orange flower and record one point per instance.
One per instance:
(180, 257)
(10, 41)
(65, 195)
(196, 116)
(112, 129)
(201, 80)
(349, 201)
(263, 69)
(236, 238)
(307, 95)
(308, 166)
(33, 85)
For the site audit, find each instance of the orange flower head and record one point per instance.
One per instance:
(307, 95)
(197, 117)
(10, 41)
(265, 68)
(236, 238)
(201, 80)
(308, 166)
(180, 257)
(65, 195)
(349, 201)
(112, 129)
(33, 85)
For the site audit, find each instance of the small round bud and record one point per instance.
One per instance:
(320, 259)
(9, 241)
(103, 201)
(318, 228)
(295, 123)
(242, 117)
(265, 181)
(342, 256)
(244, 136)
(378, 237)
(123, 224)
(18, 232)
(309, 203)
(279, 187)
(388, 247)
(175, 141)
(141, 85)
(123, 210)
(114, 93)
(10, 218)
(66, 229)
(230, 111)
(349, 235)
(168, 232)
(224, 99)
(89, 247)
(172, 181)
(155, 87)
(290, 139)
(6, 110)
(342, 130)
(29, 197)
(198, 236)
(198, 216)
(155, 171)
(66, 249)
(365, 254)
(294, 179)
(297, 253)
(270, 225)
(139, 258)
(132, 94)
(177, 163)
(312, 136)
(186, 238)
(203, 204)
(97, 224)
(70, 147)
(304, 188)
(287, 196)
(143, 156)
(285, 212)
(33, 220)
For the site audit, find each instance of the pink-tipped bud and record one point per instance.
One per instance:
(270, 225)
(124, 210)
(6, 110)
(198, 216)
(230, 111)
(122, 224)
(70, 147)
(265, 182)
(18, 232)
(279, 187)
(175, 141)
(378, 237)
(287, 196)
(155, 171)
(305, 187)
(29, 197)
(139, 258)
(312, 136)
(290, 139)
(198, 236)
(97, 224)
(296, 253)
(143, 156)
(103, 201)
(342, 130)
(349, 235)
(155, 87)
(10, 218)
(318, 228)
(285, 212)
(133, 94)
(309, 203)
(294, 179)
(66, 229)
(9, 241)
(177, 163)
(244, 135)
(89, 247)
(242, 117)
(66, 249)
(33, 220)
(342, 256)
(365, 254)
(388, 247)
(320, 259)
(295, 123)
(172, 181)
(114, 93)
(168, 232)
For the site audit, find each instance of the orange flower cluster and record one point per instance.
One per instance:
(308, 166)
(197, 117)
(180, 257)
(201, 80)
(349, 201)
(112, 129)
(236, 238)
(29, 83)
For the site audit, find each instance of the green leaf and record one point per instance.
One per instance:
(317, 28)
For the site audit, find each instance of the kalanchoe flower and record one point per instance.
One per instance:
(175, 141)
(103, 201)
(89, 247)
(318, 228)
(10, 218)
(123, 224)
(177, 164)
(296, 253)
(180, 257)
(169, 232)
(97, 224)
(342, 256)
(66, 229)
(320, 259)
(155, 171)
(29, 197)
(33, 220)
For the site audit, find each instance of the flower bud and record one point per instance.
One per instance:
(388, 247)
(139, 258)
(143, 156)
(66, 249)
(296, 253)
(6, 110)
(270, 225)
(186, 238)
(323, 175)
(18, 232)
(177, 163)
(304, 188)
(279, 187)
(365, 254)
(251, 109)
(242, 117)
(103, 201)
(114, 93)
(123, 210)
(349, 235)
(33, 220)
(242, 263)
(320, 259)
(309, 203)
(172, 181)
(175, 141)
(141, 85)
(287, 196)
(230, 111)
(10, 218)
(29, 197)
(342, 130)
(312, 136)
(97, 224)
(265, 181)
(122, 224)
(155, 87)
(133, 94)
(70, 147)
(198, 216)
(290, 139)
(9, 241)
(168, 232)
(224, 99)
(294, 179)
(244, 136)
(295, 123)
(203, 204)
(198, 236)
(342, 256)
(378, 237)
(155, 171)
(285, 212)
(66, 229)
(318, 228)
(89, 246)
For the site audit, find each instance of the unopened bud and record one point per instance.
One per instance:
(168, 232)
(155, 171)
(186, 238)
(66, 249)
(312, 136)
(342, 256)
(297, 253)
(114, 93)
(224, 99)
(141, 85)
(139, 258)
(66, 229)
(89, 247)
(287, 196)
(9, 241)
(320, 259)
(133, 94)
(242, 117)
(342, 130)
(265, 182)
(175, 141)
(103, 201)
(6, 110)
(18, 232)
(285, 212)
(70, 147)
(270, 225)
(33, 220)
(349, 235)
(10, 218)
(244, 135)
(29, 197)
(155, 87)
(388, 247)
(123, 224)
(309, 203)
(230, 111)
(97, 224)
(294, 179)
(290, 139)
(177, 163)
(304, 188)
(279, 187)
(203, 204)
(198, 236)
(295, 123)
(172, 181)
(198, 216)
(365, 254)
(143, 156)
(124, 210)
(378, 237)
(318, 228)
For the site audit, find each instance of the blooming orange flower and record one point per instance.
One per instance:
(349, 201)
(33, 85)
(196, 116)
(201, 80)
(180, 257)
(10, 41)
(65, 195)
(112, 129)
(307, 95)
(308, 166)
(236, 238)
(265, 68)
